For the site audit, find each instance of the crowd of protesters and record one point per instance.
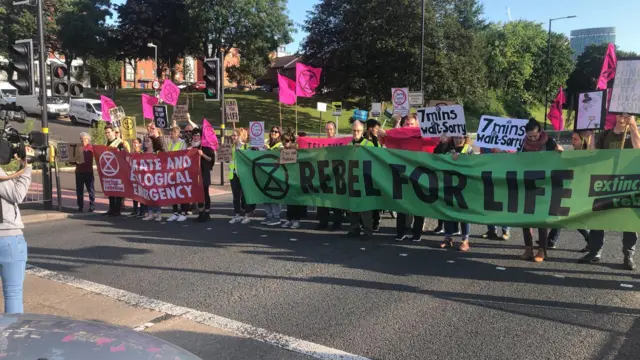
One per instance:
(365, 132)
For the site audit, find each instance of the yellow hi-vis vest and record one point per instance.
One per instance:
(364, 142)
(232, 164)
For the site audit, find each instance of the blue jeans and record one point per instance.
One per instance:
(492, 228)
(154, 209)
(273, 211)
(450, 227)
(13, 262)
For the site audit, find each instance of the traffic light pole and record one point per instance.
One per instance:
(222, 122)
(42, 85)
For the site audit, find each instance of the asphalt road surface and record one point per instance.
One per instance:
(377, 299)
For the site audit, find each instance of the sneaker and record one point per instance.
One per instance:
(133, 214)
(158, 218)
(92, 208)
(376, 228)
(490, 235)
(590, 258)
(295, 225)
(457, 233)
(245, 220)
(265, 221)
(628, 263)
(140, 215)
(189, 212)
(506, 236)
(286, 224)
(416, 239)
(273, 222)
(585, 250)
(401, 238)
(181, 218)
(236, 219)
(173, 217)
(438, 231)
(148, 217)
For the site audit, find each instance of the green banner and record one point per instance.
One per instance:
(574, 190)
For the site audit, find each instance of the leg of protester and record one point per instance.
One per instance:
(13, 261)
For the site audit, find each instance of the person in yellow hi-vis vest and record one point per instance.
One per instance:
(177, 144)
(239, 138)
(357, 129)
(273, 210)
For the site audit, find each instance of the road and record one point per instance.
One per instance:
(378, 299)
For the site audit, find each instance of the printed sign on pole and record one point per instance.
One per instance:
(156, 85)
(256, 134)
(322, 107)
(439, 120)
(626, 87)
(116, 114)
(416, 98)
(400, 101)
(337, 108)
(224, 152)
(376, 110)
(128, 129)
(160, 116)
(231, 110)
(591, 111)
(288, 156)
(180, 113)
(501, 133)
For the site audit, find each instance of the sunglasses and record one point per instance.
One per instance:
(275, 132)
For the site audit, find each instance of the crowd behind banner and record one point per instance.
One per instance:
(328, 163)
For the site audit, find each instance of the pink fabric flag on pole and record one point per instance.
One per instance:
(105, 105)
(555, 112)
(287, 90)
(607, 74)
(147, 105)
(209, 138)
(169, 92)
(307, 80)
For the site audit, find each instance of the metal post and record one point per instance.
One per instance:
(46, 175)
(546, 82)
(422, 54)
(222, 119)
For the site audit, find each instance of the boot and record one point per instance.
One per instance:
(200, 217)
(542, 253)
(528, 253)
(205, 216)
(629, 264)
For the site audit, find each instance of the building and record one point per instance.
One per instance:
(143, 74)
(285, 65)
(582, 38)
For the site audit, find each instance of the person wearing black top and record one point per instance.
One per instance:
(373, 126)
(207, 160)
(115, 202)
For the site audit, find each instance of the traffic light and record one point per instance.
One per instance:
(212, 79)
(59, 84)
(76, 90)
(21, 65)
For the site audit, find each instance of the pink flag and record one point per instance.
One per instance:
(555, 112)
(307, 80)
(169, 92)
(607, 74)
(105, 105)
(147, 105)
(287, 90)
(209, 138)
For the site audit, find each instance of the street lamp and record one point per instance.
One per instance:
(546, 82)
(422, 55)
(155, 47)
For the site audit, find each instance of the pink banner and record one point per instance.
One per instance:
(555, 111)
(105, 105)
(287, 90)
(209, 138)
(312, 142)
(147, 105)
(307, 80)
(409, 138)
(169, 92)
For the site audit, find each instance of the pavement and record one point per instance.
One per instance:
(317, 293)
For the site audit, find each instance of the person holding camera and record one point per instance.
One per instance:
(13, 247)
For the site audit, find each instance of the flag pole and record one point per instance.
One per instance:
(296, 116)
(280, 109)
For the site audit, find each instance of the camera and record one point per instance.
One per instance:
(12, 142)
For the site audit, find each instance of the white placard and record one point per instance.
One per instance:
(288, 156)
(376, 110)
(501, 133)
(625, 97)
(439, 120)
(231, 110)
(322, 107)
(256, 133)
(225, 153)
(591, 111)
(400, 101)
(416, 98)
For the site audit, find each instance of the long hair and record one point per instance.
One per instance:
(278, 139)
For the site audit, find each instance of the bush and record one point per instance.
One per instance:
(97, 134)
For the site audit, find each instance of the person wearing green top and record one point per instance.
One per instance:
(357, 129)
(624, 135)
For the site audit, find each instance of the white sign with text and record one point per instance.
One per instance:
(500, 133)
(442, 120)
(625, 96)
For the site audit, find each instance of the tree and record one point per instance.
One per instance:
(366, 47)
(20, 22)
(238, 24)
(165, 23)
(104, 71)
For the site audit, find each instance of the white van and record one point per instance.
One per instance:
(85, 111)
(7, 94)
(56, 106)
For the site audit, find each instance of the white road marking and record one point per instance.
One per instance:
(403, 254)
(326, 244)
(628, 286)
(210, 229)
(559, 276)
(283, 341)
(293, 239)
(265, 235)
(501, 268)
(450, 261)
(363, 249)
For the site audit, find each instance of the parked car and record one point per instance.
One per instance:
(7, 94)
(85, 111)
(266, 88)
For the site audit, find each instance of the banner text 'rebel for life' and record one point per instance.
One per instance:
(576, 189)
(168, 178)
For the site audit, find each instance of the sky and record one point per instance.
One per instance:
(590, 14)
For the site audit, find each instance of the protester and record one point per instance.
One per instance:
(154, 212)
(357, 129)
(177, 144)
(294, 212)
(207, 160)
(84, 175)
(13, 247)
(138, 209)
(492, 232)
(273, 210)
(127, 148)
(115, 203)
(239, 138)
(373, 127)
(403, 221)
(455, 146)
(536, 140)
(624, 135)
(441, 148)
(323, 212)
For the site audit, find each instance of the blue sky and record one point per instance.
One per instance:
(621, 14)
